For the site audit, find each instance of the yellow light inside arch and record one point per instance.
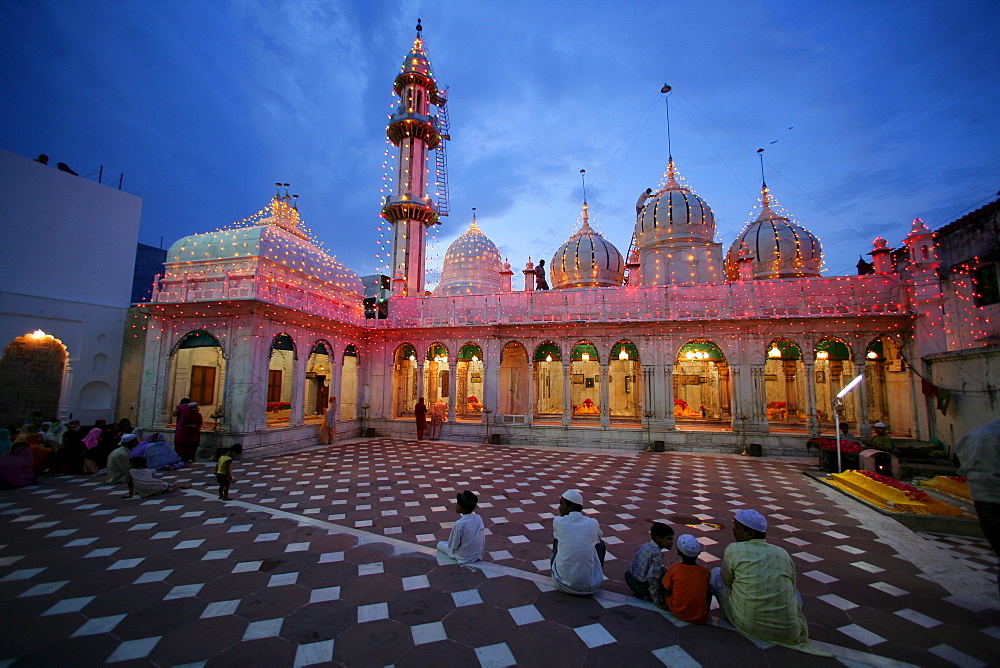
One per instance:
(774, 352)
(872, 355)
(623, 355)
(585, 357)
(548, 358)
(822, 355)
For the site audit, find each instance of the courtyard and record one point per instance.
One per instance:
(327, 557)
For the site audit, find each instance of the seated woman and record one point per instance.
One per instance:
(15, 467)
(160, 455)
(143, 481)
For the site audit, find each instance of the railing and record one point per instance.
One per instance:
(788, 298)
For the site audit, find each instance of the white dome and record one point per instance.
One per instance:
(471, 266)
(779, 247)
(274, 235)
(674, 213)
(587, 260)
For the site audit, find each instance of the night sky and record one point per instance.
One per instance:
(870, 113)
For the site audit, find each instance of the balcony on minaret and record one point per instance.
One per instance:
(409, 124)
(409, 207)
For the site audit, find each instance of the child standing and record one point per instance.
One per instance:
(685, 586)
(224, 470)
(643, 575)
(468, 537)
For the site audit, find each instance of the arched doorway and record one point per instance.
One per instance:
(701, 382)
(31, 377)
(783, 381)
(514, 379)
(470, 373)
(548, 372)
(280, 376)
(834, 369)
(436, 378)
(625, 381)
(198, 371)
(585, 381)
(404, 380)
(348, 408)
(887, 384)
(319, 372)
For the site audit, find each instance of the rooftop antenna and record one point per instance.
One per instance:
(665, 92)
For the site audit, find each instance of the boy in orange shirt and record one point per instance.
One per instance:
(685, 584)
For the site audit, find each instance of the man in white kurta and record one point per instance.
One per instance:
(577, 549)
(468, 535)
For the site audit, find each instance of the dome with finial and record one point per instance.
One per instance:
(587, 260)
(673, 213)
(272, 237)
(780, 248)
(472, 265)
(416, 66)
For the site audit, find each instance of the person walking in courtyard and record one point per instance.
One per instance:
(329, 429)
(190, 434)
(420, 416)
(644, 574)
(756, 585)
(577, 549)
(439, 415)
(979, 455)
(224, 470)
(685, 585)
(468, 535)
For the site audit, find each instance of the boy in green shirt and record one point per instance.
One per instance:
(224, 470)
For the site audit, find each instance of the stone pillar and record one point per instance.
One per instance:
(491, 381)
(649, 396)
(758, 396)
(669, 419)
(246, 378)
(153, 411)
(740, 400)
(862, 391)
(567, 414)
(337, 371)
(64, 389)
(532, 384)
(297, 415)
(452, 388)
(812, 420)
(420, 378)
(605, 396)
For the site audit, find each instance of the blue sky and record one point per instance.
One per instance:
(880, 112)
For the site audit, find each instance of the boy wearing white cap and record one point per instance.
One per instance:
(685, 584)
(577, 549)
(756, 585)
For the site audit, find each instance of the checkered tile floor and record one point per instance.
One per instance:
(328, 557)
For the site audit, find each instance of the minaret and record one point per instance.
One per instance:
(416, 132)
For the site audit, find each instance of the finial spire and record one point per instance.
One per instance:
(583, 179)
(475, 225)
(420, 29)
(665, 92)
(760, 154)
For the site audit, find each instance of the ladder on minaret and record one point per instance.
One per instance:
(628, 257)
(441, 157)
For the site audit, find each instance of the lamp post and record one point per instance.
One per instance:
(837, 405)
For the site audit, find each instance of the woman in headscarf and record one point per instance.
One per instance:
(4, 441)
(92, 454)
(329, 429)
(190, 436)
(180, 410)
(15, 467)
(160, 454)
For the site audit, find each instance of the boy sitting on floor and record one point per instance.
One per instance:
(685, 586)
(143, 481)
(643, 575)
(468, 536)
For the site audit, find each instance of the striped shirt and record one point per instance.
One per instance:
(762, 600)
(647, 566)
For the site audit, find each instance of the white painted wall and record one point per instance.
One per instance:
(69, 255)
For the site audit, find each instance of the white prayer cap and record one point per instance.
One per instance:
(573, 496)
(128, 438)
(688, 545)
(751, 519)
(879, 424)
(192, 404)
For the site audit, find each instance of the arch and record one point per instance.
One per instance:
(280, 378)
(404, 380)
(100, 362)
(784, 380)
(702, 387)
(348, 408)
(834, 368)
(319, 375)
(96, 396)
(283, 342)
(31, 377)
(624, 380)
(470, 374)
(197, 371)
(514, 379)
(437, 378)
(585, 379)
(887, 383)
(546, 350)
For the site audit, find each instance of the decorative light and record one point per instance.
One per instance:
(475, 358)
(413, 358)
(37, 334)
(585, 357)
(623, 355)
(872, 355)
(548, 358)
(774, 352)
(822, 355)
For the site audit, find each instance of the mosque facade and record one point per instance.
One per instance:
(680, 341)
